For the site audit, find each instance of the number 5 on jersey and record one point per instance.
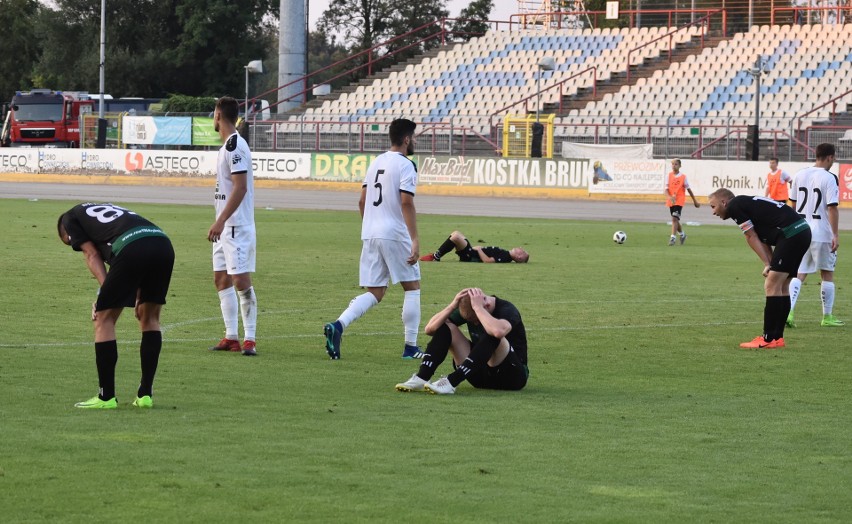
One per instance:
(378, 186)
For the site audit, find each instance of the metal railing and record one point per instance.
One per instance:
(804, 15)
(475, 135)
(560, 85)
(704, 22)
(565, 19)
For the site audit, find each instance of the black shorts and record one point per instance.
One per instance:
(675, 211)
(789, 252)
(468, 254)
(510, 375)
(144, 265)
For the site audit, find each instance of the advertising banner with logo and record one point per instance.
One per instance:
(59, 160)
(283, 166)
(845, 181)
(504, 172)
(18, 160)
(195, 163)
(203, 133)
(634, 177)
(340, 167)
(163, 130)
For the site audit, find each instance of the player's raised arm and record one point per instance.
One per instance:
(442, 316)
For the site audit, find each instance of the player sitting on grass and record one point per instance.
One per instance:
(495, 356)
(466, 253)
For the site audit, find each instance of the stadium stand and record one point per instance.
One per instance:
(465, 89)
(479, 78)
(804, 66)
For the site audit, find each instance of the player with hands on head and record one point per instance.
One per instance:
(494, 357)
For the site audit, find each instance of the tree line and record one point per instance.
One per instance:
(198, 48)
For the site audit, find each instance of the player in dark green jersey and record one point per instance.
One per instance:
(141, 258)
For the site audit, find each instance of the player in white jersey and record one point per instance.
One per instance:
(815, 197)
(390, 243)
(233, 232)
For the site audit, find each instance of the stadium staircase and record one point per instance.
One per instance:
(618, 80)
(367, 81)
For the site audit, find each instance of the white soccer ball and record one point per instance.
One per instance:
(619, 237)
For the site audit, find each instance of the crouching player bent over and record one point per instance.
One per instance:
(767, 224)
(495, 356)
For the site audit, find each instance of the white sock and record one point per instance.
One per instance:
(248, 309)
(795, 287)
(230, 312)
(411, 316)
(682, 234)
(359, 305)
(827, 293)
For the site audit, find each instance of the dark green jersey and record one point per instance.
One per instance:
(107, 226)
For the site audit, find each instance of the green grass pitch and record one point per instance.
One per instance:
(640, 405)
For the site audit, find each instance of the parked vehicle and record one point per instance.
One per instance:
(46, 118)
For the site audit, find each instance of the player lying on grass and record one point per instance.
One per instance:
(468, 253)
(767, 224)
(495, 356)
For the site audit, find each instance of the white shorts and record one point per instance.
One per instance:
(818, 257)
(382, 259)
(235, 250)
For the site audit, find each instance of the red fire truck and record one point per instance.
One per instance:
(45, 118)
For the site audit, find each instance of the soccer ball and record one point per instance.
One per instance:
(619, 237)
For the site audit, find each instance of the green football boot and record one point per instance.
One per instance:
(790, 321)
(143, 402)
(96, 403)
(831, 321)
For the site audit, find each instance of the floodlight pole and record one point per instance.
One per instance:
(103, 58)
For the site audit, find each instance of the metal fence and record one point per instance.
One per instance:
(481, 135)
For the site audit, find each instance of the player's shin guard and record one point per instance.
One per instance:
(774, 317)
(411, 316)
(827, 295)
(445, 248)
(106, 357)
(230, 312)
(436, 352)
(359, 305)
(248, 310)
(795, 288)
(784, 310)
(149, 355)
(478, 358)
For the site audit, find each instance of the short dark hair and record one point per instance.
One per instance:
(399, 129)
(229, 108)
(825, 151)
(774, 159)
(59, 224)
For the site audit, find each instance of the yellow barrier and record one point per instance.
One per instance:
(518, 135)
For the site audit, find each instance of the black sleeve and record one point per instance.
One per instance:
(736, 213)
(75, 231)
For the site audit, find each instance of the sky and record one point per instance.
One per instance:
(502, 9)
